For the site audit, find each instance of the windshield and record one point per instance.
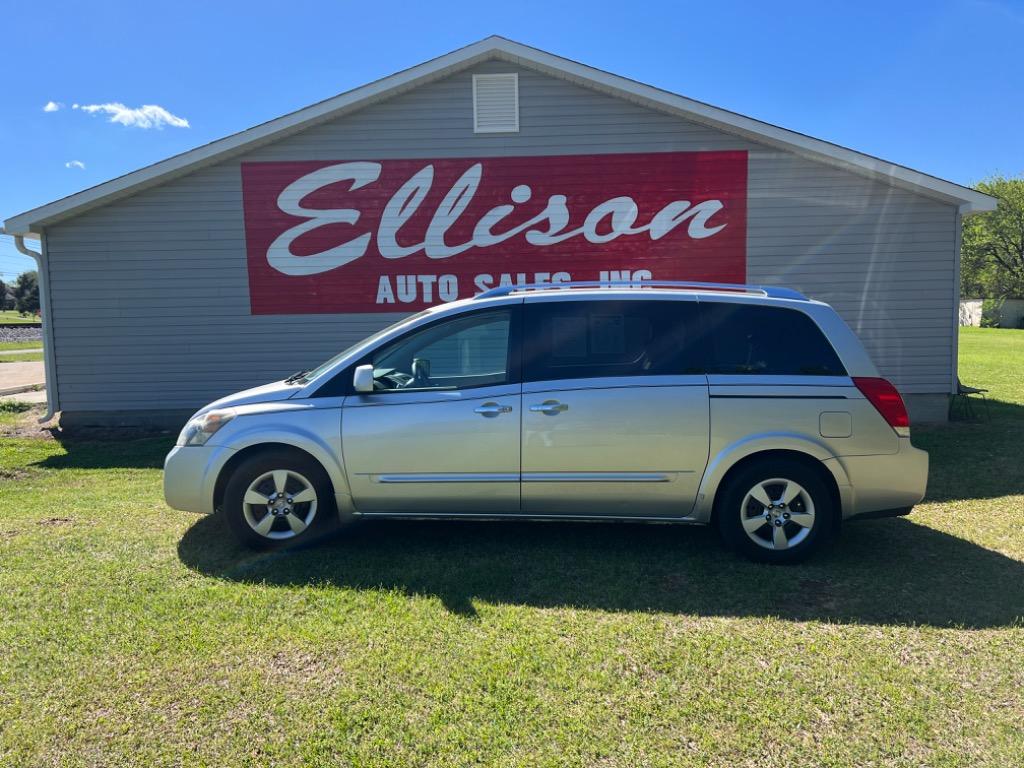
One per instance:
(369, 340)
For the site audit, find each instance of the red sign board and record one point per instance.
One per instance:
(400, 235)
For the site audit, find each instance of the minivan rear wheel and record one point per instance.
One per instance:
(775, 511)
(277, 499)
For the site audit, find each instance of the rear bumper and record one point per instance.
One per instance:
(886, 485)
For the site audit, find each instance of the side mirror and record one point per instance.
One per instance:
(362, 381)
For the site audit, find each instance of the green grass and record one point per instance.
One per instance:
(993, 358)
(28, 357)
(134, 635)
(10, 316)
(8, 345)
(11, 414)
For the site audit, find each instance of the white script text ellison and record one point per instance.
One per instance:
(549, 227)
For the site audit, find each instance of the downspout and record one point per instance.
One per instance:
(958, 236)
(49, 360)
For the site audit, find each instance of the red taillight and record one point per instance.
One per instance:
(887, 401)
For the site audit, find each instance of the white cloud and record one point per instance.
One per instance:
(146, 116)
(52, 106)
(75, 164)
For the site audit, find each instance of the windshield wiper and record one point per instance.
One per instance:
(295, 377)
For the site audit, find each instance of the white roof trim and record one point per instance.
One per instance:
(32, 222)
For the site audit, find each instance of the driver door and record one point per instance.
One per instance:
(440, 433)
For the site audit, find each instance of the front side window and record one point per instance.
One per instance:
(591, 339)
(470, 351)
(753, 340)
(361, 343)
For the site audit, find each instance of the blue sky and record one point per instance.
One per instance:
(937, 85)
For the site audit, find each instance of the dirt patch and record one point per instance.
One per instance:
(812, 596)
(15, 473)
(48, 521)
(24, 422)
(293, 666)
(292, 662)
(34, 431)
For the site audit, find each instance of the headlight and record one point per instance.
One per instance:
(201, 428)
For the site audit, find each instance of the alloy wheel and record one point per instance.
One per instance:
(777, 514)
(279, 504)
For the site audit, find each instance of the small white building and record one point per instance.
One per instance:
(1005, 313)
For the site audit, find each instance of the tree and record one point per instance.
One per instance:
(26, 293)
(992, 259)
(3, 296)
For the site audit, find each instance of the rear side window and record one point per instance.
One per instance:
(592, 339)
(756, 340)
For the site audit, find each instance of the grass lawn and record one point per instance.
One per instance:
(10, 415)
(10, 316)
(6, 345)
(134, 635)
(27, 357)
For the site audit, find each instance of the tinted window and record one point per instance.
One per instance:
(469, 351)
(746, 339)
(586, 339)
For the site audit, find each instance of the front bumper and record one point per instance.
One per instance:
(190, 474)
(885, 485)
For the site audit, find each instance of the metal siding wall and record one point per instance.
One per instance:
(882, 257)
(150, 294)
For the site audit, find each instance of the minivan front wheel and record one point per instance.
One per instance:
(775, 511)
(278, 499)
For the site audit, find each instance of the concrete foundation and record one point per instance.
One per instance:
(927, 409)
(81, 422)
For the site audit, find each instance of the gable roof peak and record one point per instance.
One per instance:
(32, 222)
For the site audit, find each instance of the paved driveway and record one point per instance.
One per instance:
(16, 377)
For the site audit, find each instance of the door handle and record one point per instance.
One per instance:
(492, 409)
(549, 407)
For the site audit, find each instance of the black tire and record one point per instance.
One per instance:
(731, 513)
(324, 519)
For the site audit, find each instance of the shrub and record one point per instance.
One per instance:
(13, 406)
(991, 313)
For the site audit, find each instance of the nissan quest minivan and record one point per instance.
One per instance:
(753, 409)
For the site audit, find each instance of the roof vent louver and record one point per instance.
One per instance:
(496, 103)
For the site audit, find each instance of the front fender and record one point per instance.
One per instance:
(728, 456)
(314, 429)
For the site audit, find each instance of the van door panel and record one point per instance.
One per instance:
(627, 447)
(438, 453)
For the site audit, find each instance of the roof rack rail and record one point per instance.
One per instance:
(769, 291)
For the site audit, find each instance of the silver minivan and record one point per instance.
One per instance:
(754, 409)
